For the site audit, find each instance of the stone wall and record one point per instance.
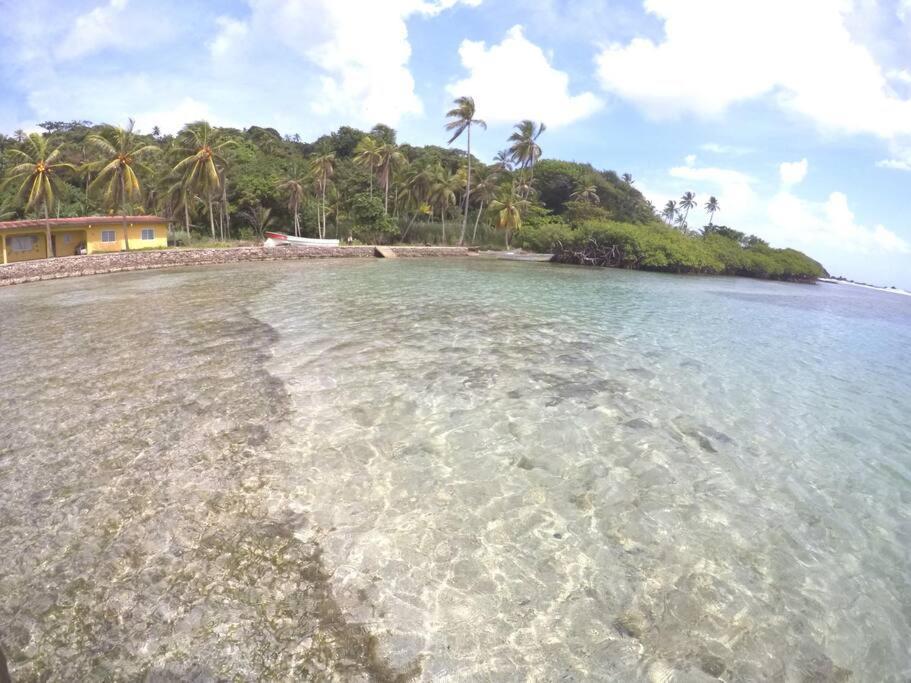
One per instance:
(96, 264)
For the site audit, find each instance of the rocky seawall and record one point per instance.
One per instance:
(97, 264)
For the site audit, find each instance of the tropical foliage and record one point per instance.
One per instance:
(227, 183)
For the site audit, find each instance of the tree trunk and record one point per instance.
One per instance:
(211, 218)
(507, 239)
(224, 207)
(386, 198)
(474, 235)
(47, 233)
(186, 218)
(408, 227)
(443, 218)
(467, 191)
(123, 208)
(322, 233)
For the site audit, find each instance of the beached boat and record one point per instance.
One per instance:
(280, 239)
(523, 256)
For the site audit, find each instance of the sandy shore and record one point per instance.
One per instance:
(890, 290)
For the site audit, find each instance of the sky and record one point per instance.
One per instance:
(795, 115)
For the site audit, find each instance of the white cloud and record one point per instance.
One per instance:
(690, 159)
(903, 11)
(349, 59)
(515, 80)
(827, 230)
(899, 75)
(793, 172)
(716, 53)
(733, 189)
(895, 164)
(360, 52)
(96, 30)
(830, 224)
(172, 119)
(731, 150)
(230, 33)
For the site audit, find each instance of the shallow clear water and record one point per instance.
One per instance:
(460, 469)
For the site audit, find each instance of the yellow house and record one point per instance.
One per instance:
(27, 240)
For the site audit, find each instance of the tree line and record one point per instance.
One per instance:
(218, 184)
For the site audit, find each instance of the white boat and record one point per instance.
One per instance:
(280, 239)
(523, 256)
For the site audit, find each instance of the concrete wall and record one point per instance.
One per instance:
(134, 232)
(38, 250)
(95, 264)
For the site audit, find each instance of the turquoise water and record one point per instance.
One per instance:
(452, 470)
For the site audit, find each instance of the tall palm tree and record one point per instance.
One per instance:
(294, 189)
(389, 158)
(713, 207)
(462, 119)
(418, 183)
(670, 211)
(322, 168)
(367, 156)
(509, 215)
(484, 192)
(39, 172)
(199, 170)
(117, 177)
(525, 149)
(687, 202)
(586, 194)
(443, 192)
(627, 178)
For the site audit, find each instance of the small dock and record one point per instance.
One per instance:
(384, 252)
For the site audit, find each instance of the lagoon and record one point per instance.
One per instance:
(454, 470)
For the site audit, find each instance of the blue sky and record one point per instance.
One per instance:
(796, 115)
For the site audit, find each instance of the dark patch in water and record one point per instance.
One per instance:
(638, 423)
(641, 372)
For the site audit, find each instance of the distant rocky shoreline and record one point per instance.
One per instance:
(98, 264)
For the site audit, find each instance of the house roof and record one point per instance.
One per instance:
(82, 220)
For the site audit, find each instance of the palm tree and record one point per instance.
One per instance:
(418, 182)
(462, 120)
(670, 211)
(503, 160)
(628, 179)
(524, 149)
(294, 188)
(713, 207)
(484, 192)
(322, 168)
(389, 158)
(443, 192)
(259, 217)
(509, 217)
(367, 156)
(39, 171)
(687, 202)
(586, 194)
(117, 176)
(199, 171)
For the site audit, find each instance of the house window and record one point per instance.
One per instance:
(67, 239)
(20, 244)
(148, 233)
(108, 236)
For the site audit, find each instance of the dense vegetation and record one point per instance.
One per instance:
(221, 184)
